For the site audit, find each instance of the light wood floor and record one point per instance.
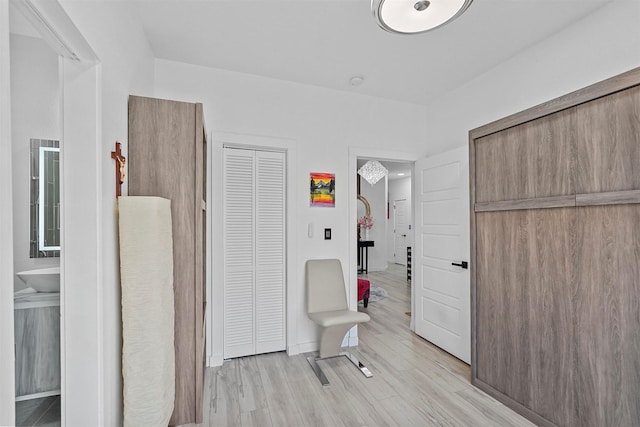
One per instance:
(42, 412)
(414, 383)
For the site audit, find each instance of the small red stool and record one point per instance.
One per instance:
(363, 291)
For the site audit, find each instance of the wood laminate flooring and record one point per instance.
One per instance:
(41, 412)
(414, 382)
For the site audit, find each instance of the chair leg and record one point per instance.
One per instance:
(316, 369)
(313, 361)
(353, 359)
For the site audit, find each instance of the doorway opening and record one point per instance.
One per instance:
(383, 233)
(52, 92)
(388, 205)
(36, 83)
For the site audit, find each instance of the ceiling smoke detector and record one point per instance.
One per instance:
(412, 17)
(356, 80)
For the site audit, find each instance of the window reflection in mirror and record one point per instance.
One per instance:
(45, 198)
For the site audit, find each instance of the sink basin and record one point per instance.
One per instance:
(43, 279)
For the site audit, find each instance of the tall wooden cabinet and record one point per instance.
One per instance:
(167, 158)
(555, 199)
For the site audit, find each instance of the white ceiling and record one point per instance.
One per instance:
(324, 43)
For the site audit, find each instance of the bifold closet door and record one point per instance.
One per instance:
(254, 247)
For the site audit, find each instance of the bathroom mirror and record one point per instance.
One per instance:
(45, 198)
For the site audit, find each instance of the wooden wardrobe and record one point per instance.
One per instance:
(555, 257)
(167, 158)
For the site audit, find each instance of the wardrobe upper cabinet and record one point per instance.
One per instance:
(609, 154)
(167, 159)
(533, 160)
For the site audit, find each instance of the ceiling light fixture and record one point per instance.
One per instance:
(416, 16)
(373, 171)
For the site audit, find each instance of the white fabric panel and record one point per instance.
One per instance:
(146, 277)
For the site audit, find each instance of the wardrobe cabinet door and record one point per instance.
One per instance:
(525, 288)
(536, 159)
(166, 159)
(608, 316)
(609, 150)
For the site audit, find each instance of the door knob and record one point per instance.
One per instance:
(463, 264)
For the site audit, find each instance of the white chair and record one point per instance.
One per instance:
(327, 306)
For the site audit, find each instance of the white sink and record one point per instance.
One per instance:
(43, 279)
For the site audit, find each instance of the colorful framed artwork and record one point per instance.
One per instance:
(322, 189)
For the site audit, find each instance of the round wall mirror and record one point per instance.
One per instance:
(363, 207)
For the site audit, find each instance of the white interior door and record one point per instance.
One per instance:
(400, 230)
(442, 292)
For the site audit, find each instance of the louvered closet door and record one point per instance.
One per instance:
(270, 232)
(254, 224)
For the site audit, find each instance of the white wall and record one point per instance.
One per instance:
(35, 113)
(398, 189)
(115, 34)
(603, 44)
(376, 195)
(324, 124)
(7, 362)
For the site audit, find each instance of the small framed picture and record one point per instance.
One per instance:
(322, 189)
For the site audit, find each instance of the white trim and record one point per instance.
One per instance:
(215, 360)
(81, 302)
(7, 358)
(211, 358)
(292, 350)
(374, 154)
(50, 20)
(215, 309)
(37, 395)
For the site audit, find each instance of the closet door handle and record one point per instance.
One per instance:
(463, 264)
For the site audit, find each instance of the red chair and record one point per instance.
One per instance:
(363, 291)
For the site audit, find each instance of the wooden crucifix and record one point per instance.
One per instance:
(120, 168)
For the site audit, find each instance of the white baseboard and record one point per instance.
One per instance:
(215, 360)
(292, 350)
(308, 347)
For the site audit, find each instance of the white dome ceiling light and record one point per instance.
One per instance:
(416, 16)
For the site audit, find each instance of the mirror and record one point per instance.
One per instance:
(363, 207)
(45, 198)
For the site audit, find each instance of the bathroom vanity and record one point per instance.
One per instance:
(37, 344)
